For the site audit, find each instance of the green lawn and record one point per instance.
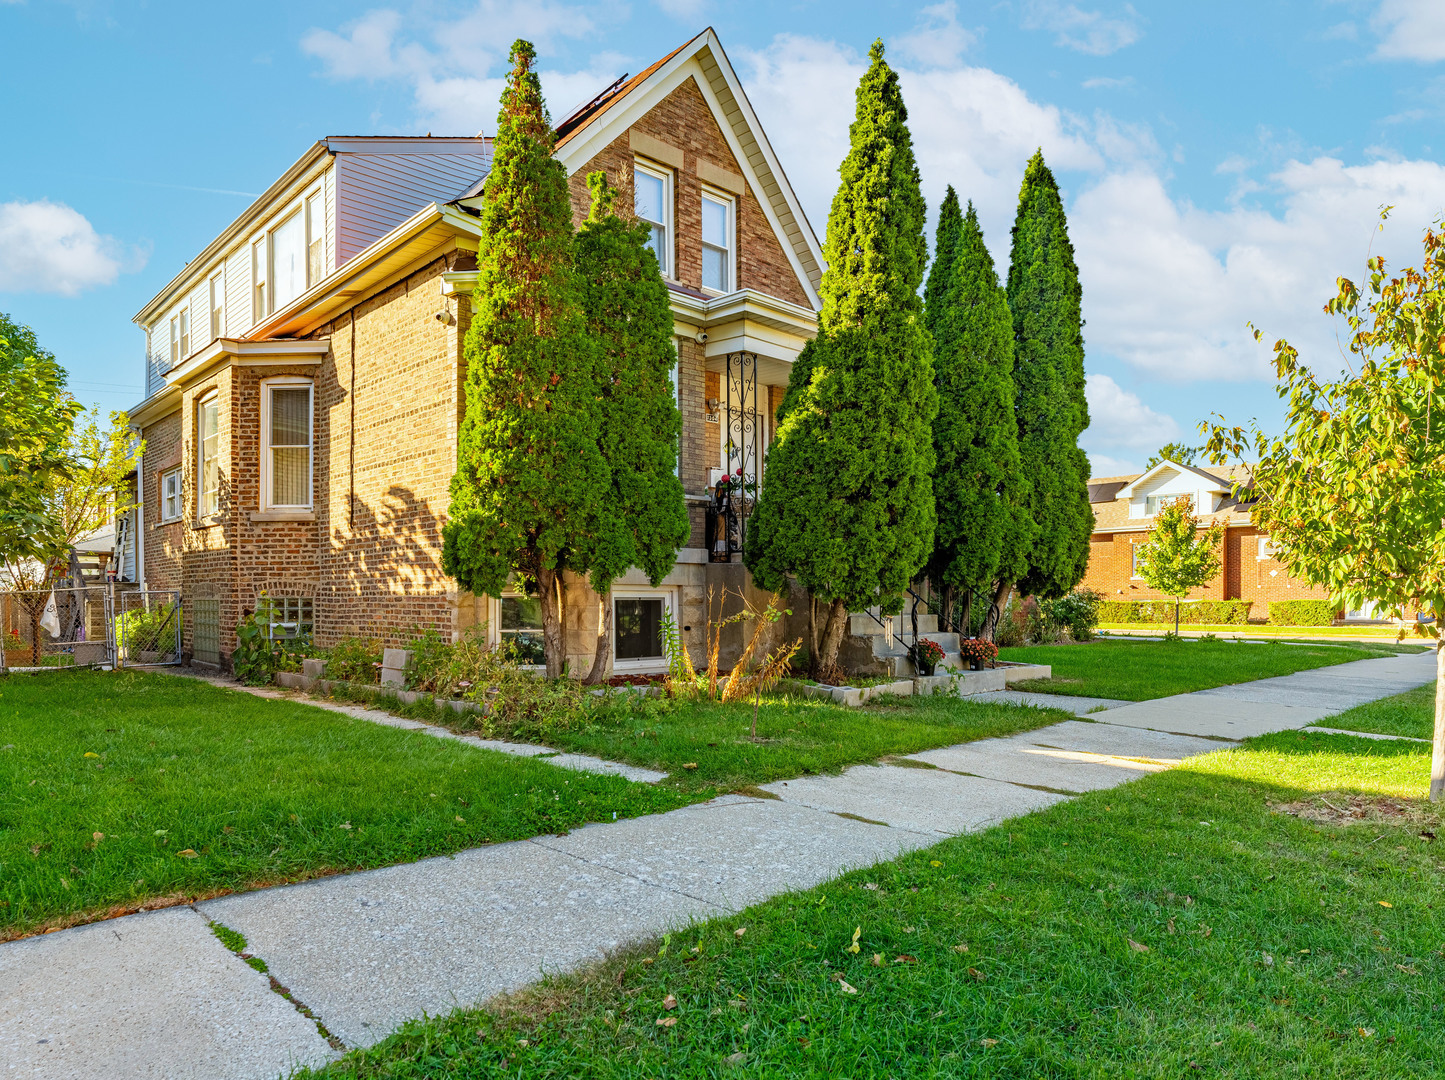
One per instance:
(1371, 633)
(1411, 714)
(1180, 925)
(1140, 670)
(117, 789)
(707, 747)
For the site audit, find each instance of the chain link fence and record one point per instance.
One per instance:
(148, 626)
(55, 628)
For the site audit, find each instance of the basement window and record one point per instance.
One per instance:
(292, 618)
(521, 628)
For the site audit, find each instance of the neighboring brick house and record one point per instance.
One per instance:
(305, 372)
(1124, 509)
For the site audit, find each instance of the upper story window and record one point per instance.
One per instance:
(171, 494)
(652, 203)
(180, 336)
(218, 306)
(175, 340)
(208, 456)
(1155, 503)
(290, 258)
(286, 459)
(717, 242)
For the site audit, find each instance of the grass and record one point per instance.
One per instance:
(1141, 670)
(708, 748)
(1215, 920)
(1411, 714)
(130, 789)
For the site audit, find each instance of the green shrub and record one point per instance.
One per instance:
(140, 630)
(520, 704)
(1195, 612)
(256, 656)
(1079, 611)
(354, 659)
(1303, 612)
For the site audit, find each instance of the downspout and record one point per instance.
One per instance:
(140, 523)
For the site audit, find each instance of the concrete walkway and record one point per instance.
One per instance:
(157, 995)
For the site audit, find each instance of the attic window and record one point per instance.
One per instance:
(1155, 503)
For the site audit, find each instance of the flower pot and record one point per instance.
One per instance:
(975, 663)
(925, 668)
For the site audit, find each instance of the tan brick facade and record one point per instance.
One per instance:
(387, 406)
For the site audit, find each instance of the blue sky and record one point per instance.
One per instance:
(1222, 162)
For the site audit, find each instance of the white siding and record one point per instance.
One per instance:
(377, 192)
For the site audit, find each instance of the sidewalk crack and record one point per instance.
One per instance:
(623, 873)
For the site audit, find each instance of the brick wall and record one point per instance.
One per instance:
(1243, 576)
(682, 120)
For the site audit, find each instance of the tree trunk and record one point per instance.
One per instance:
(995, 611)
(554, 638)
(965, 614)
(832, 634)
(945, 608)
(1437, 756)
(604, 642)
(813, 663)
(1176, 618)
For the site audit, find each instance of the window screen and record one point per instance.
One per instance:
(637, 626)
(290, 445)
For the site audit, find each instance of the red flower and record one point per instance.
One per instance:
(740, 471)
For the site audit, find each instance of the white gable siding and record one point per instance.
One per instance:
(377, 192)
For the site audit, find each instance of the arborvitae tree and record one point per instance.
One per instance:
(526, 498)
(1044, 298)
(847, 502)
(644, 516)
(983, 529)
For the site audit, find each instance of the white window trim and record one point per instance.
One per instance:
(175, 340)
(216, 315)
(263, 270)
(670, 245)
(1267, 551)
(648, 665)
(201, 513)
(260, 290)
(495, 636)
(267, 385)
(180, 495)
(1134, 574)
(732, 236)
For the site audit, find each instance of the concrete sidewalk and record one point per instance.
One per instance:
(157, 995)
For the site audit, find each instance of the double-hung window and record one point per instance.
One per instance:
(652, 203)
(1153, 504)
(315, 238)
(717, 242)
(185, 318)
(218, 307)
(288, 260)
(171, 495)
(208, 457)
(176, 353)
(286, 428)
(259, 305)
(1134, 550)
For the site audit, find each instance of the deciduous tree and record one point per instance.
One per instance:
(1352, 494)
(847, 503)
(643, 514)
(1045, 299)
(526, 497)
(1177, 556)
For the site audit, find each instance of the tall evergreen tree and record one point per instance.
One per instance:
(1045, 299)
(983, 529)
(526, 497)
(847, 503)
(643, 514)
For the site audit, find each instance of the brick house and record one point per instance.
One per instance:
(305, 372)
(1124, 509)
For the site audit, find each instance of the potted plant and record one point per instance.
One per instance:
(977, 652)
(926, 655)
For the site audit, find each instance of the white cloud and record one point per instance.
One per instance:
(1168, 288)
(1090, 32)
(48, 247)
(1108, 82)
(937, 40)
(972, 127)
(453, 57)
(1411, 30)
(1119, 419)
(1104, 465)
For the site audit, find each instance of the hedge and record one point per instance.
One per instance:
(1303, 612)
(1210, 612)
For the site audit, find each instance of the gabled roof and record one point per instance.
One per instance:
(584, 133)
(1213, 483)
